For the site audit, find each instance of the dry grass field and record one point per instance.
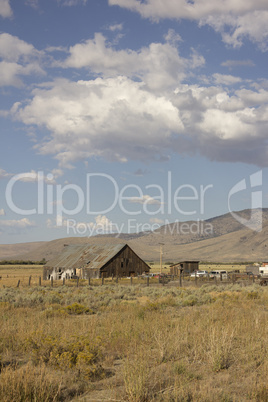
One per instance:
(132, 343)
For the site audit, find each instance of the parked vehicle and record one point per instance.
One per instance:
(199, 274)
(218, 274)
(264, 270)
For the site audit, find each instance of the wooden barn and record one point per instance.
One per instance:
(184, 266)
(95, 261)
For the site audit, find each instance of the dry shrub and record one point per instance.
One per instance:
(79, 353)
(29, 383)
(136, 377)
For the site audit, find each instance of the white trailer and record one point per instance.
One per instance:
(263, 271)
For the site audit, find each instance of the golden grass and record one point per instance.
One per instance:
(133, 343)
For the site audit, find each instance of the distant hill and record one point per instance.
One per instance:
(221, 238)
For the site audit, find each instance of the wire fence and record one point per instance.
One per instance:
(34, 280)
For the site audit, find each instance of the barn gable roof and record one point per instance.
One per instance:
(85, 256)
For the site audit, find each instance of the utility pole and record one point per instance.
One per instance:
(161, 255)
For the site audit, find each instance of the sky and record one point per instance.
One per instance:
(124, 115)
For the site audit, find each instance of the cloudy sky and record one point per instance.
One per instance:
(127, 114)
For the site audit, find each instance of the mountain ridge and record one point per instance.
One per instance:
(229, 240)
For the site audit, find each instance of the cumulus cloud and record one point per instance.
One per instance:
(234, 29)
(13, 49)
(118, 119)
(112, 118)
(159, 65)
(17, 58)
(14, 226)
(5, 9)
(235, 20)
(221, 79)
(22, 223)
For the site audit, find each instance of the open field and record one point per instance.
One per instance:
(133, 343)
(11, 274)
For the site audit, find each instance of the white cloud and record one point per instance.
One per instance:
(70, 3)
(188, 9)
(234, 29)
(57, 173)
(102, 220)
(5, 9)
(118, 119)
(13, 49)
(10, 72)
(101, 225)
(235, 20)
(156, 220)
(4, 174)
(221, 79)
(34, 177)
(32, 3)
(112, 118)
(18, 59)
(238, 63)
(159, 65)
(145, 199)
(16, 224)
(2, 212)
(115, 27)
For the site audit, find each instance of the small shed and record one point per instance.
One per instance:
(95, 261)
(254, 269)
(184, 266)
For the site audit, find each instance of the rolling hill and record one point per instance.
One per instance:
(221, 238)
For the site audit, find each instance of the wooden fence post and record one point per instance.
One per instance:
(39, 280)
(221, 276)
(88, 281)
(63, 281)
(233, 278)
(18, 283)
(29, 283)
(180, 279)
(131, 281)
(195, 278)
(77, 282)
(215, 279)
(52, 281)
(148, 282)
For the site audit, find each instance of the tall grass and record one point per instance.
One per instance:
(134, 343)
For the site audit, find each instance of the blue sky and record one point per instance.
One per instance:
(125, 114)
